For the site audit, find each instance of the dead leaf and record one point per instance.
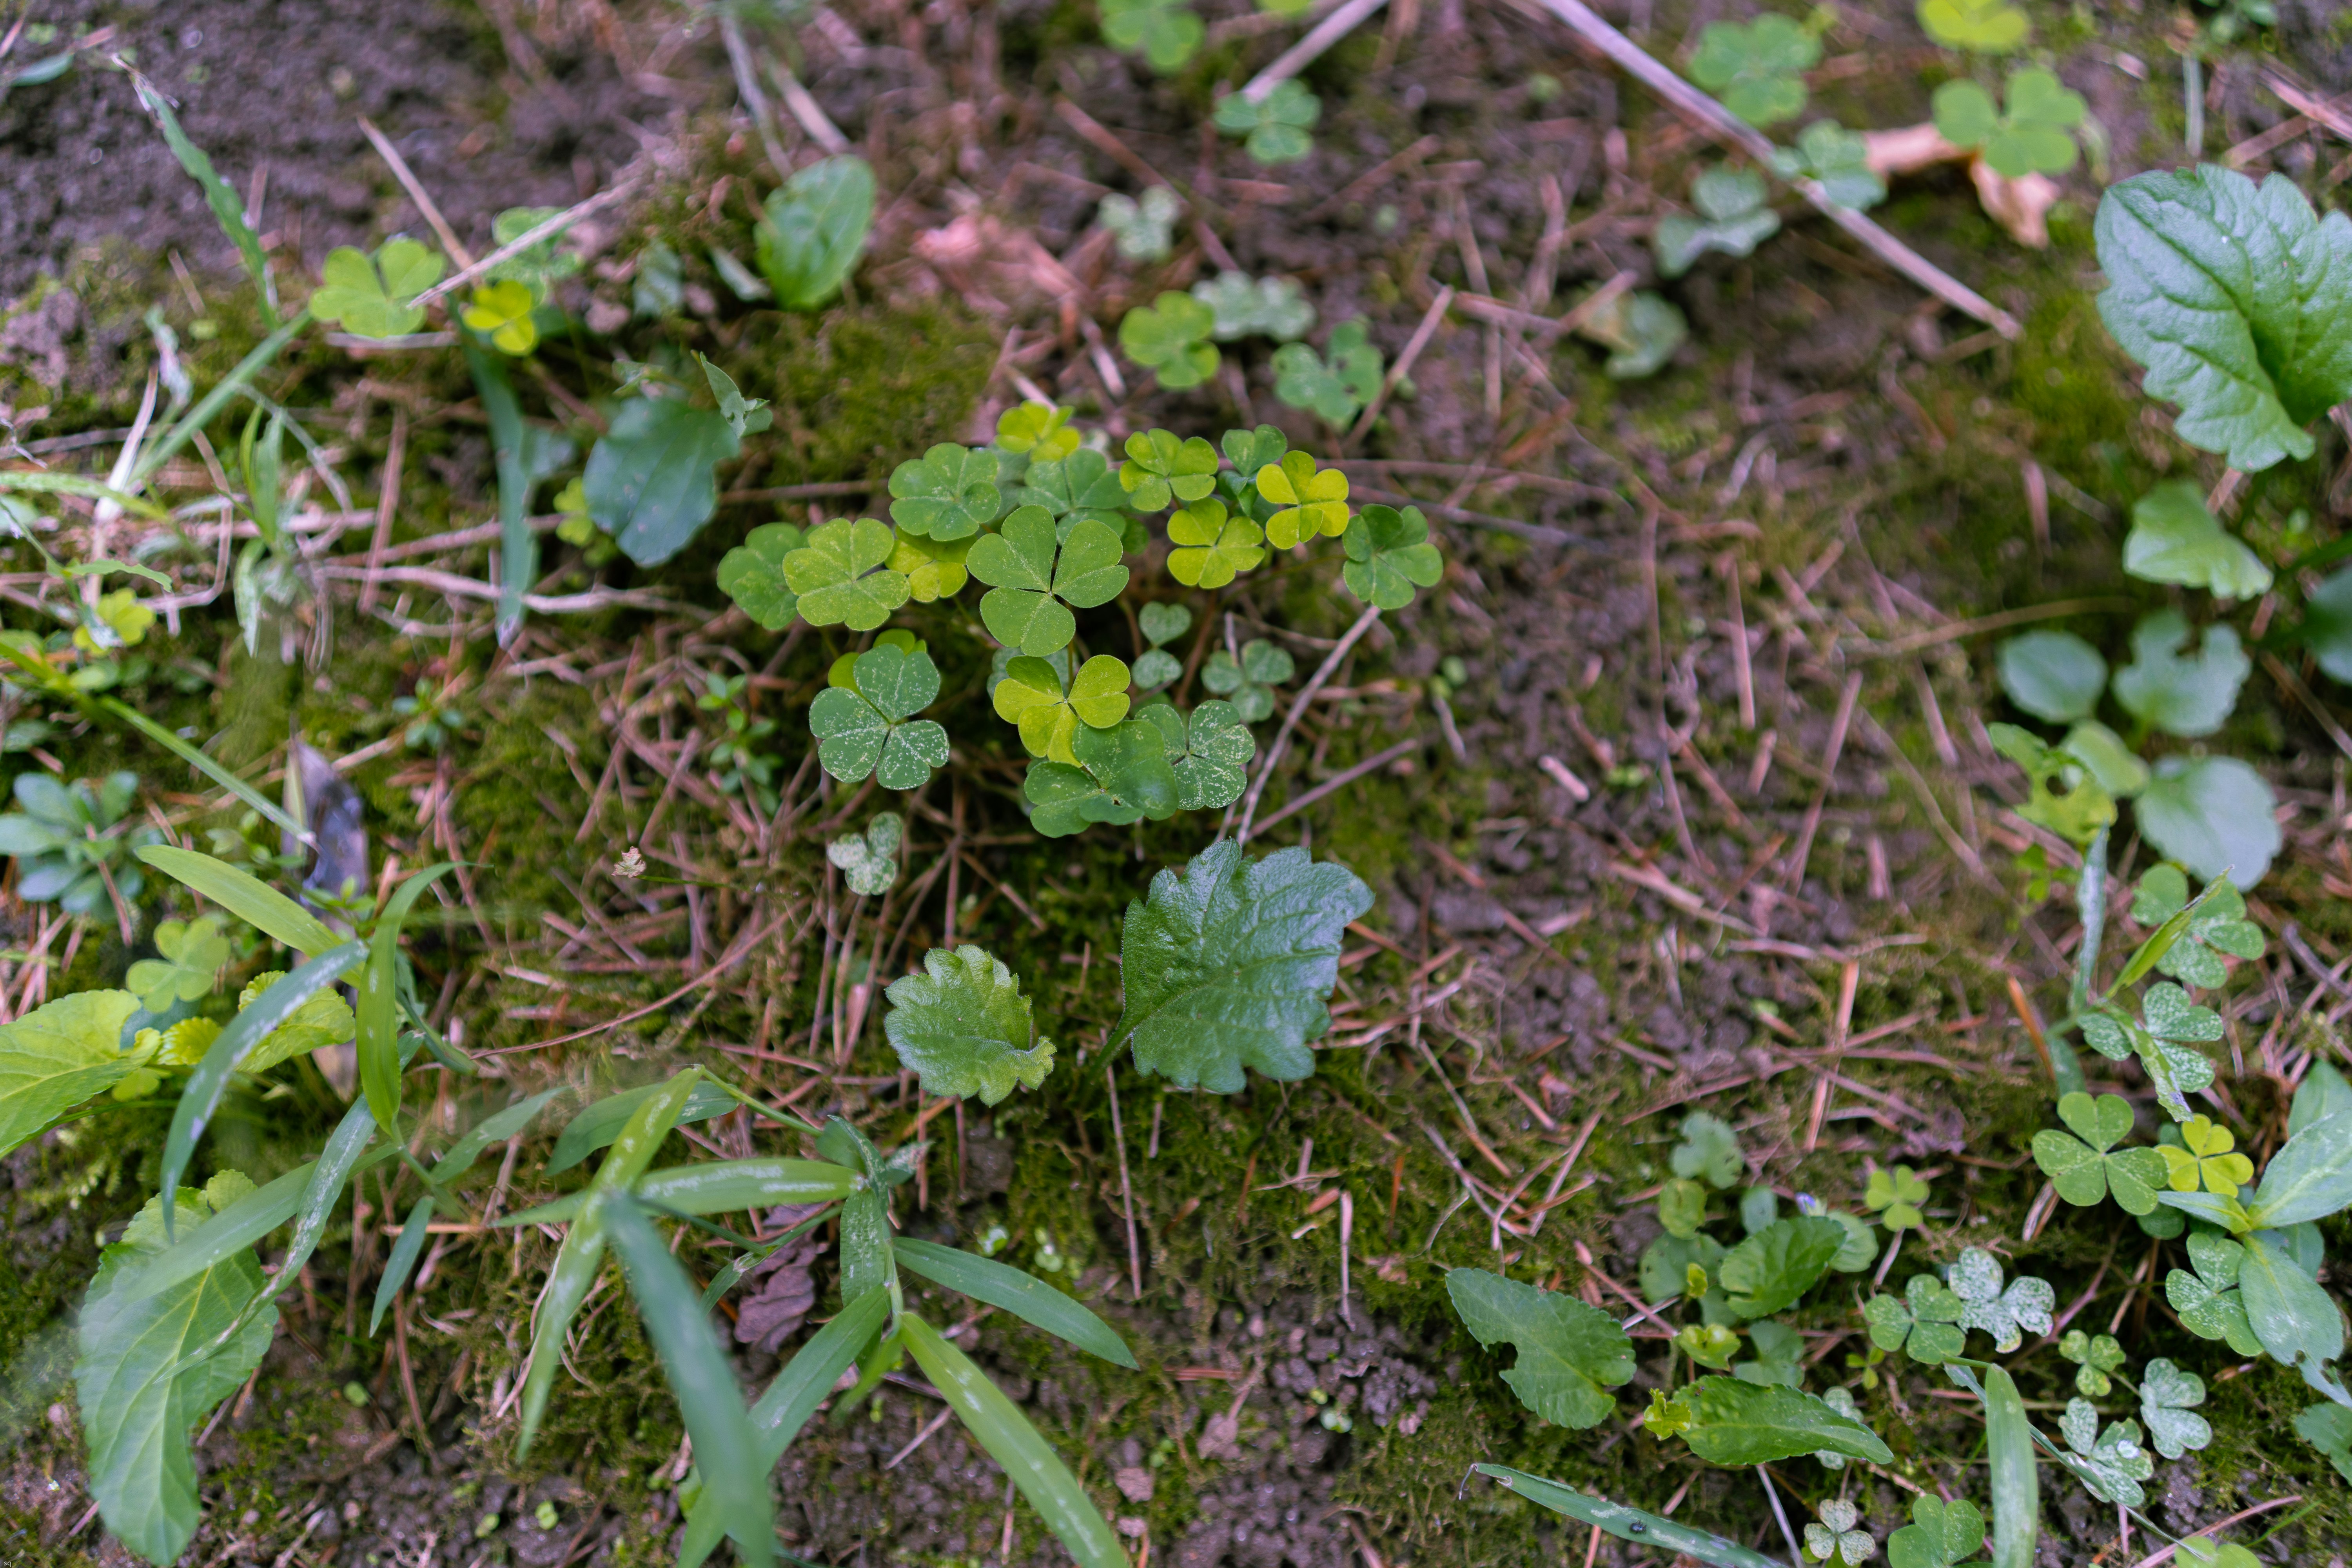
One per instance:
(1908, 149)
(2020, 205)
(783, 1286)
(997, 268)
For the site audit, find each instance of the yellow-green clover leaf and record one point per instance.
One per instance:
(501, 311)
(371, 298)
(835, 575)
(1032, 697)
(1895, 1196)
(1040, 429)
(2204, 1158)
(1213, 548)
(1160, 466)
(1170, 336)
(1312, 502)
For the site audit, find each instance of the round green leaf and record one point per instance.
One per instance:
(2052, 675)
(965, 1028)
(752, 574)
(2188, 695)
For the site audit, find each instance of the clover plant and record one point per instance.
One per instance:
(1171, 337)
(1757, 68)
(1336, 385)
(1142, 228)
(1246, 307)
(2033, 135)
(1733, 218)
(1838, 160)
(1166, 32)
(1277, 128)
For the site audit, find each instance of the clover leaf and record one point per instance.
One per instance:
(500, 312)
(1569, 1354)
(1899, 1193)
(1032, 696)
(2168, 1401)
(1250, 450)
(1032, 582)
(1080, 485)
(2110, 1463)
(1171, 337)
(1141, 229)
(1160, 623)
(1246, 307)
(2207, 1301)
(2087, 1167)
(1041, 430)
(1161, 468)
(868, 861)
(1639, 329)
(2051, 675)
(1166, 31)
(193, 951)
(1209, 751)
(2065, 798)
(2237, 298)
(1279, 127)
(1248, 681)
(1837, 160)
(2174, 539)
(2218, 926)
(1733, 218)
(1708, 1148)
(2204, 1158)
(2214, 815)
(1389, 555)
(371, 298)
(2164, 1039)
(1212, 548)
(1757, 68)
(1940, 1535)
(2027, 1303)
(1838, 1537)
(949, 492)
(2035, 136)
(1334, 386)
(1121, 775)
(2190, 695)
(963, 1025)
(1311, 501)
(752, 574)
(866, 728)
(935, 569)
(2093, 1356)
(1229, 964)
(834, 572)
(812, 230)
(1923, 1320)
(1987, 26)
(539, 265)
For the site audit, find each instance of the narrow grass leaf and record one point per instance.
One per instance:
(251, 900)
(195, 758)
(228, 211)
(517, 545)
(703, 1379)
(460, 1156)
(997, 1424)
(256, 360)
(403, 1256)
(247, 1029)
(1029, 1299)
(1629, 1523)
(379, 1008)
(598, 1123)
(89, 490)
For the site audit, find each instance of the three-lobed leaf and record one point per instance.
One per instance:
(964, 1026)
(1230, 963)
(2188, 695)
(1389, 557)
(869, 728)
(2175, 539)
(1170, 336)
(840, 574)
(371, 297)
(1757, 68)
(949, 492)
(752, 574)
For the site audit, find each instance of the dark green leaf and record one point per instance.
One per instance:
(255, 902)
(1026, 1297)
(1570, 1354)
(650, 481)
(1731, 1422)
(1229, 964)
(1389, 555)
(600, 1121)
(1772, 1269)
(2296, 1321)
(379, 1010)
(815, 230)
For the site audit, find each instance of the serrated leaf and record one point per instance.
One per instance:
(2187, 695)
(2174, 539)
(138, 1412)
(812, 230)
(1733, 1422)
(1772, 1269)
(651, 480)
(59, 1054)
(2214, 815)
(2237, 298)
(1569, 1354)
(964, 1026)
(1229, 965)
(1389, 555)
(752, 574)
(2052, 675)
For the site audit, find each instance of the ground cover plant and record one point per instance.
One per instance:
(1271, 785)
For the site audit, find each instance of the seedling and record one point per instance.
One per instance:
(1170, 336)
(868, 861)
(1165, 32)
(1335, 385)
(1141, 228)
(74, 843)
(1162, 624)
(814, 230)
(1246, 307)
(2035, 133)
(1987, 26)
(1835, 158)
(1757, 68)
(1278, 127)
(737, 761)
(1734, 218)
(1640, 330)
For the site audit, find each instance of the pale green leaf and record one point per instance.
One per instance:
(2174, 539)
(1026, 1297)
(59, 1054)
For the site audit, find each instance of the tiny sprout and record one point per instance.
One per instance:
(1278, 127)
(993, 1240)
(1141, 228)
(488, 1525)
(355, 1393)
(546, 1515)
(1543, 88)
(630, 866)
(1733, 218)
(1335, 1419)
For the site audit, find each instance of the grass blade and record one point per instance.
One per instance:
(256, 360)
(735, 1482)
(518, 546)
(238, 1227)
(998, 1425)
(717, 1186)
(2009, 1451)
(228, 210)
(403, 1260)
(787, 1405)
(1629, 1523)
(599, 1122)
(460, 1156)
(584, 1246)
(246, 1030)
(89, 490)
(251, 900)
(1026, 1297)
(379, 1008)
(2161, 939)
(195, 758)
